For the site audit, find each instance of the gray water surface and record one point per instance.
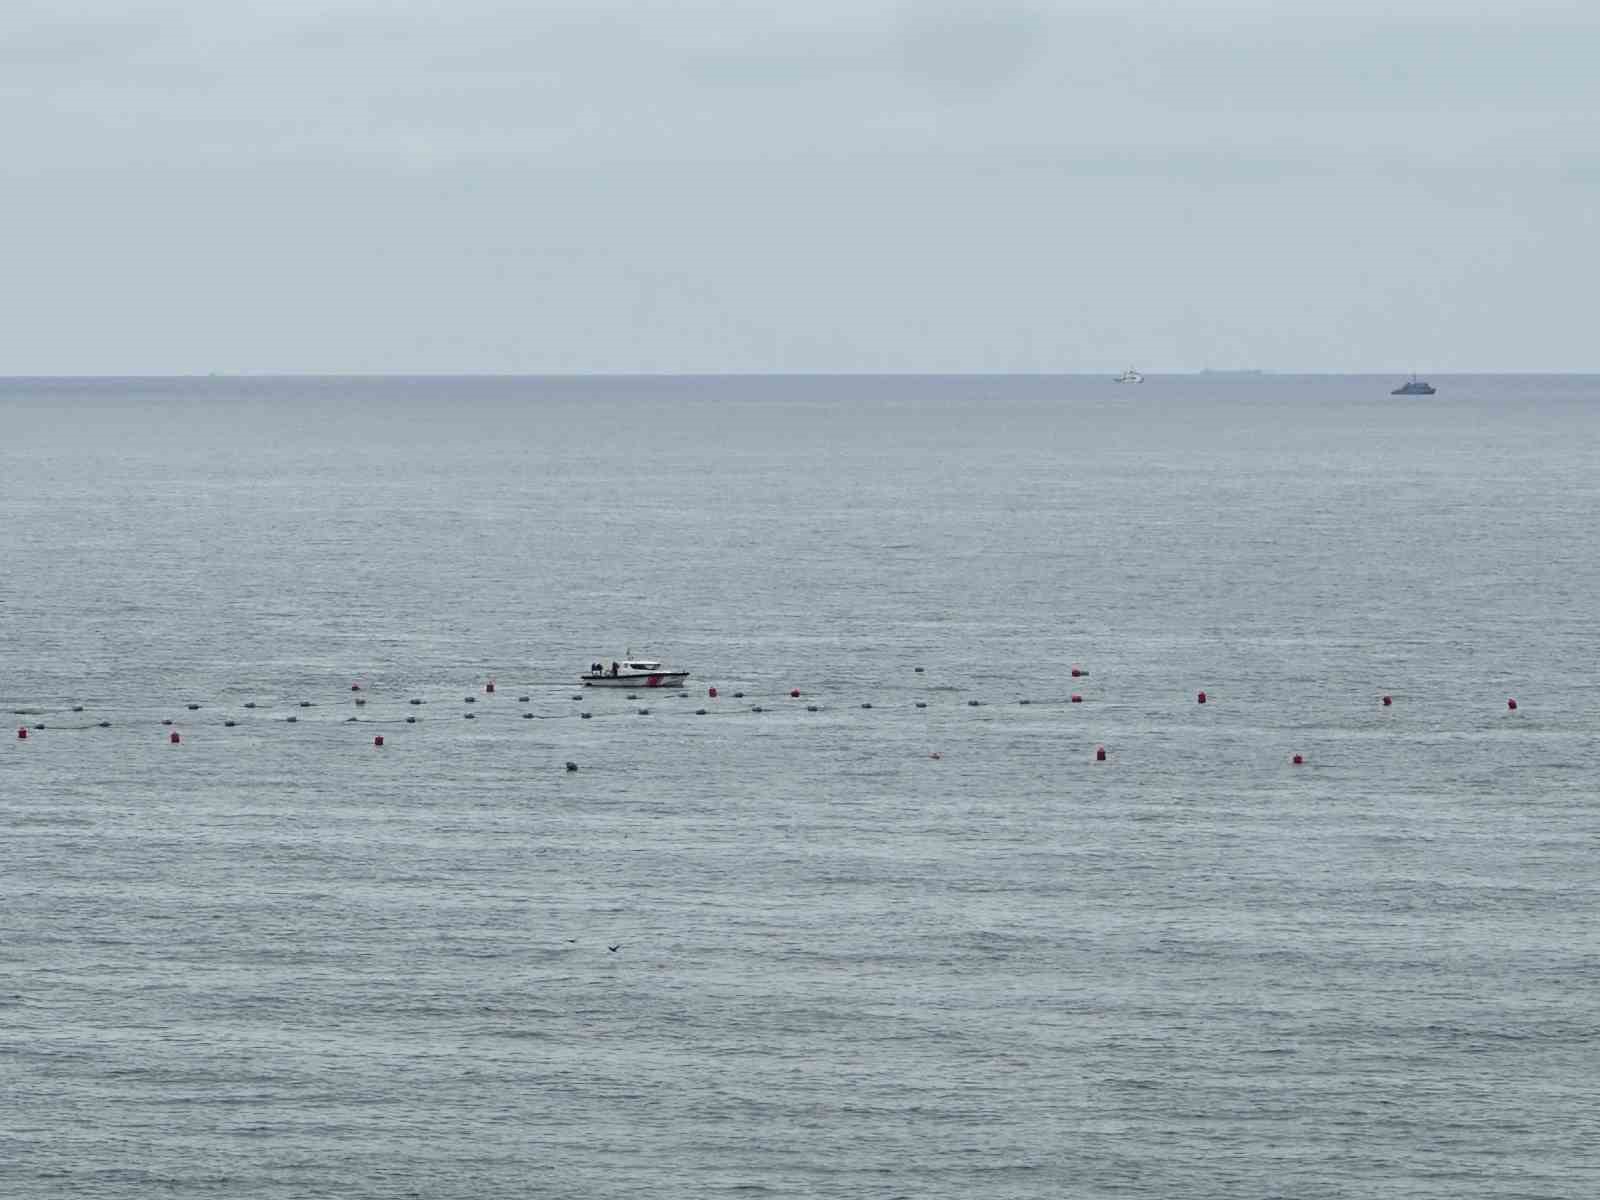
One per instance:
(275, 961)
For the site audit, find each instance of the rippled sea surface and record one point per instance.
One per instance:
(926, 948)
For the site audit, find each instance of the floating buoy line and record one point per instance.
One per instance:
(365, 700)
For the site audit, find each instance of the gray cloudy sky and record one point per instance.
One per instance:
(481, 185)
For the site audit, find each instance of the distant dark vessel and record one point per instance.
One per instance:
(1414, 387)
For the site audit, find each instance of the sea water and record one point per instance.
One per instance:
(926, 948)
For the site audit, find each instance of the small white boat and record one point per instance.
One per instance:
(633, 673)
(1129, 376)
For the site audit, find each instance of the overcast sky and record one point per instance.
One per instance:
(472, 185)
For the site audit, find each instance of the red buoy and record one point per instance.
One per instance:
(1297, 760)
(489, 687)
(173, 737)
(1512, 705)
(1388, 700)
(794, 692)
(1099, 754)
(22, 732)
(712, 692)
(378, 741)
(355, 687)
(1199, 697)
(1076, 671)
(1077, 699)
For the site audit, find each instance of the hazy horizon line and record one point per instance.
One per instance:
(1247, 372)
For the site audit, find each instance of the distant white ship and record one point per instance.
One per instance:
(1130, 376)
(1414, 387)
